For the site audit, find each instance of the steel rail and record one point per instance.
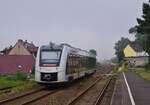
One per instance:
(72, 101)
(5, 88)
(20, 96)
(38, 98)
(102, 93)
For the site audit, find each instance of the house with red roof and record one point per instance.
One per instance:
(23, 48)
(19, 57)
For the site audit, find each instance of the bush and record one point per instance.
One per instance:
(121, 63)
(147, 66)
(33, 70)
(20, 75)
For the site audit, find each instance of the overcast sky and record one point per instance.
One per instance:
(86, 24)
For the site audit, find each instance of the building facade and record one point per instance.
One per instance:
(135, 55)
(19, 57)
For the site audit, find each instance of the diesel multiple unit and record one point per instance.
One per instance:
(62, 63)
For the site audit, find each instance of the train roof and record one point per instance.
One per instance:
(80, 51)
(60, 47)
(51, 46)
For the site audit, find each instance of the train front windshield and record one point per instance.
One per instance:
(50, 57)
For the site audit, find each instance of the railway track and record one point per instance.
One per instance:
(39, 97)
(6, 90)
(99, 97)
(28, 98)
(102, 92)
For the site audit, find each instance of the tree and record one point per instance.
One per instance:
(119, 47)
(133, 30)
(92, 61)
(143, 28)
(92, 51)
(139, 38)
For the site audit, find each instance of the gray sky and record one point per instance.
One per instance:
(87, 24)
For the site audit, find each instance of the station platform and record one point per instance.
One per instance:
(131, 89)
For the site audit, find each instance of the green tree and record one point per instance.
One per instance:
(92, 61)
(143, 28)
(94, 52)
(119, 47)
(139, 38)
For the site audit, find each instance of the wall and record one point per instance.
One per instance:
(129, 52)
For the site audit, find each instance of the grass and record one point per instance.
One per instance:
(5, 82)
(144, 73)
(19, 82)
(121, 68)
(26, 85)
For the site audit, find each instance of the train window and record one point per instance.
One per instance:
(79, 63)
(50, 56)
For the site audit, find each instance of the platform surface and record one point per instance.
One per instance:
(140, 90)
